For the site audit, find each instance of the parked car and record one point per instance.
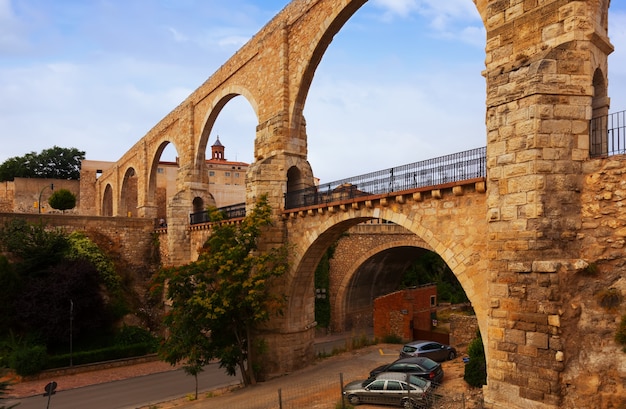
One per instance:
(430, 349)
(390, 388)
(423, 367)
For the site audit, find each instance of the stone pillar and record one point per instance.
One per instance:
(541, 59)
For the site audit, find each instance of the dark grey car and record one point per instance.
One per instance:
(419, 366)
(390, 388)
(430, 349)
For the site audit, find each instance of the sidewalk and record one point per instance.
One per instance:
(324, 345)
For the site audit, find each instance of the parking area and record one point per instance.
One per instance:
(319, 385)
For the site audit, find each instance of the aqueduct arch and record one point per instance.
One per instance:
(353, 261)
(546, 65)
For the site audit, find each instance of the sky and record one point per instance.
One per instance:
(401, 82)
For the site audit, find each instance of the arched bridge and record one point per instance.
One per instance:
(535, 243)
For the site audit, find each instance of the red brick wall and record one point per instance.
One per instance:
(393, 313)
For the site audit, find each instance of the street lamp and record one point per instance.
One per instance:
(41, 192)
(71, 325)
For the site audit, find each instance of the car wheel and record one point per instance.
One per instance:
(451, 356)
(353, 399)
(408, 404)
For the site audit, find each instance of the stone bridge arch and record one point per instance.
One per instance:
(349, 259)
(452, 224)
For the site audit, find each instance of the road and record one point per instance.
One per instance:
(131, 393)
(149, 389)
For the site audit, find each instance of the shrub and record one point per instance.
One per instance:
(610, 299)
(132, 335)
(28, 360)
(476, 369)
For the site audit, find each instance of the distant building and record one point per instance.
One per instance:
(227, 179)
(226, 183)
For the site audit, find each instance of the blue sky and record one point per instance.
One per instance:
(400, 83)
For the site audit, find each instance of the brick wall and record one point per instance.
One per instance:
(393, 313)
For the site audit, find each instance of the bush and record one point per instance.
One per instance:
(476, 369)
(28, 360)
(131, 335)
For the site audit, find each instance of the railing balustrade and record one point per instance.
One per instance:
(607, 135)
(431, 172)
(229, 212)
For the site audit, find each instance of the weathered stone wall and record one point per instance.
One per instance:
(463, 329)
(132, 238)
(7, 196)
(22, 195)
(594, 372)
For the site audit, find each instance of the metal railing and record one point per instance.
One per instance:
(437, 171)
(607, 135)
(229, 212)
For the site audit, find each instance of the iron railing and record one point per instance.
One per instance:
(607, 135)
(229, 212)
(437, 171)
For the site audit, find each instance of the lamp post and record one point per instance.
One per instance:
(71, 325)
(41, 193)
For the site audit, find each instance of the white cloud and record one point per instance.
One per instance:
(178, 37)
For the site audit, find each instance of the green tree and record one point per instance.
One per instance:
(53, 163)
(33, 247)
(430, 268)
(218, 300)
(62, 199)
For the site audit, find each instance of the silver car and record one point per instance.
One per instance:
(391, 388)
(430, 349)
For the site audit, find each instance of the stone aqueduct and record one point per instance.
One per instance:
(534, 244)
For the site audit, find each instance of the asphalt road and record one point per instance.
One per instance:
(146, 390)
(130, 393)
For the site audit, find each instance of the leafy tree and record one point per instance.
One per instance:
(62, 199)
(33, 246)
(45, 304)
(53, 163)
(218, 300)
(430, 268)
(43, 272)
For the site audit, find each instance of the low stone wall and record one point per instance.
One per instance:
(462, 330)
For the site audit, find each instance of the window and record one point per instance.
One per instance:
(394, 386)
(211, 173)
(377, 386)
(160, 170)
(433, 300)
(227, 174)
(236, 174)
